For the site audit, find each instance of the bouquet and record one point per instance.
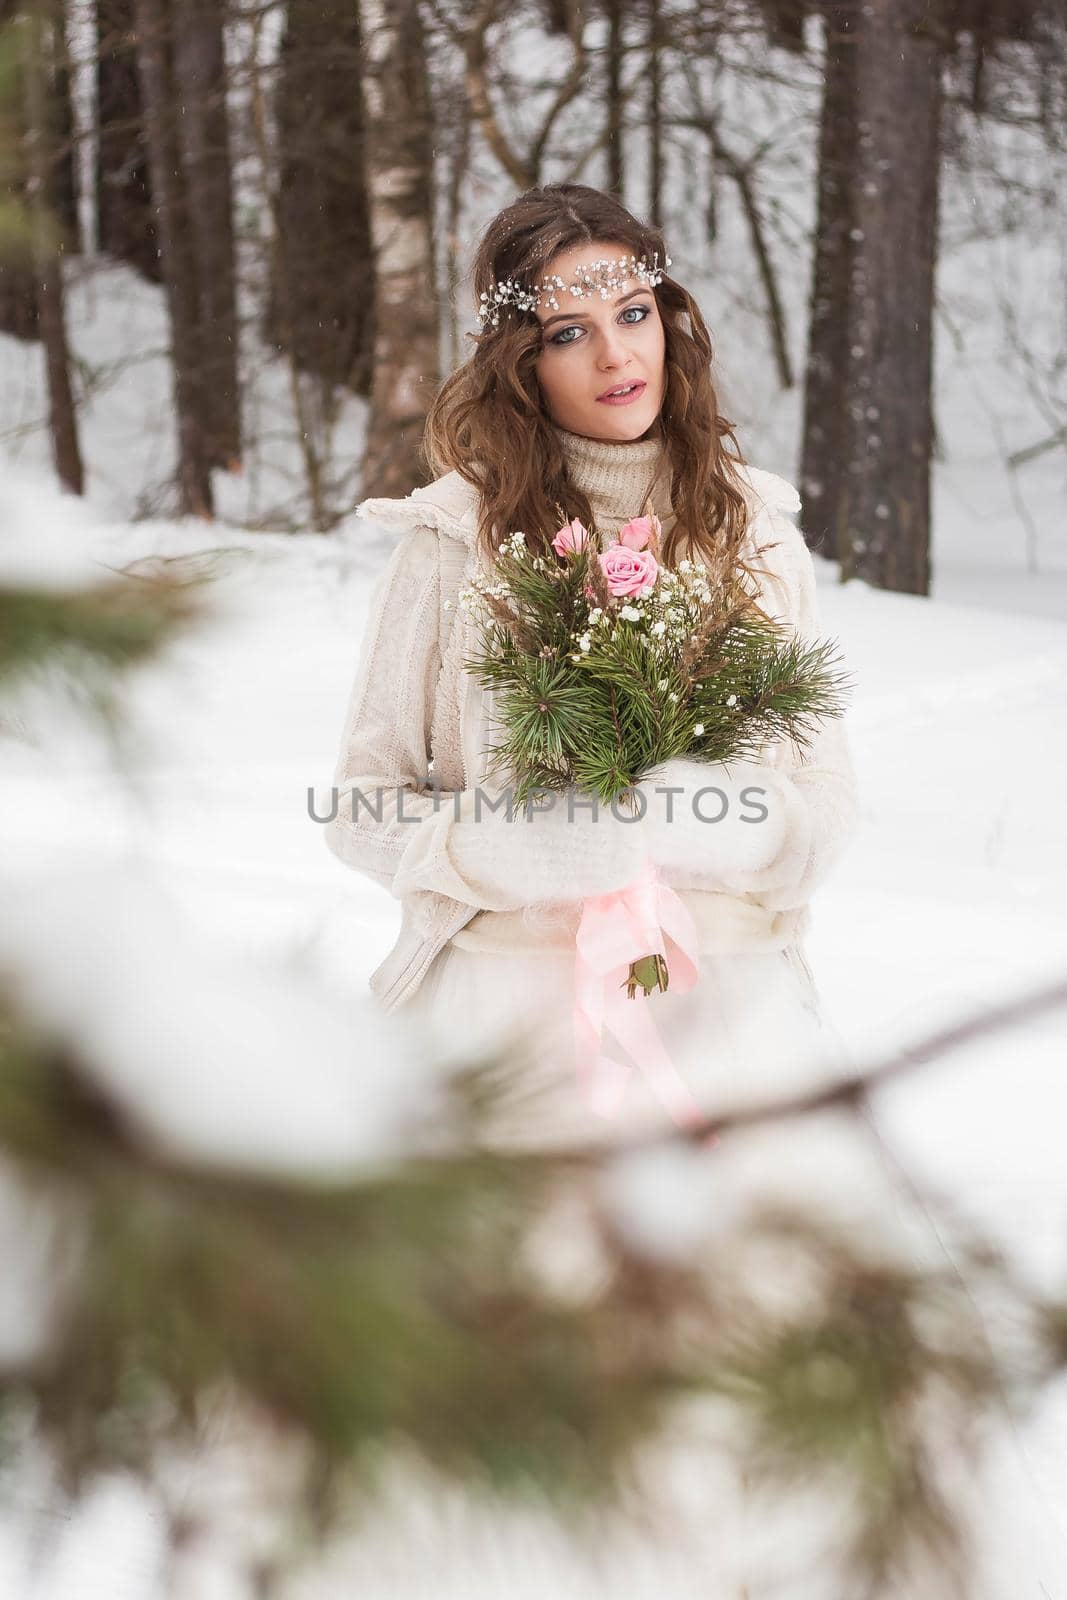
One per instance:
(606, 663)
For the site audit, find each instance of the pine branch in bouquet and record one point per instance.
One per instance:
(797, 685)
(547, 714)
(727, 680)
(550, 712)
(766, 684)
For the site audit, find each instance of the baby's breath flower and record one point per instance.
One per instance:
(699, 729)
(731, 699)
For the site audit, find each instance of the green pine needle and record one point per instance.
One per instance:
(603, 722)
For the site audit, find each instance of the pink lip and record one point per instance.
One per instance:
(609, 399)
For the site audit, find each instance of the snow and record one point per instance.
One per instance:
(195, 870)
(211, 1057)
(178, 910)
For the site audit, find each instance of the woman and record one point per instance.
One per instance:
(596, 405)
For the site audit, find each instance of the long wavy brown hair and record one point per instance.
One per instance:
(489, 421)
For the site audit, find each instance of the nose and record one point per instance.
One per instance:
(613, 352)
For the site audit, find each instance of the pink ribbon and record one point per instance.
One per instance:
(645, 918)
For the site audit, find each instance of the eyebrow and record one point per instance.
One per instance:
(583, 316)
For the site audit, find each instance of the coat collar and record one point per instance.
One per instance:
(450, 503)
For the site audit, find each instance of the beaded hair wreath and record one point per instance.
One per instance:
(603, 276)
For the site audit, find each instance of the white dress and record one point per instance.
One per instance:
(751, 1030)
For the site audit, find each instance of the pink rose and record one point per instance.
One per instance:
(570, 539)
(636, 533)
(628, 571)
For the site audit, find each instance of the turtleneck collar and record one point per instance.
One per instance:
(617, 476)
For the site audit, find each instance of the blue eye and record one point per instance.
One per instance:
(642, 311)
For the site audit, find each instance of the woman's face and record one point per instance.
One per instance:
(592, 347)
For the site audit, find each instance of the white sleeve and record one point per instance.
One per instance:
(810, 799)
(382, 765)
(390, 822)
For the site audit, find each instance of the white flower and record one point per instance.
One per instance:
(673, 695)
(731, 699)
(583, 642)
(699, 729)
(630, 613)
(659, 627)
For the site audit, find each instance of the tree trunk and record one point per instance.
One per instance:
(399, 151)
(616, 14)
(200, 78)
(455, 262)
(655, 117)
(177, 255)
(18, 289)
(48, 243)
(895, 209)
(824, 454)
(784, 21)
(126, 227)
(321, 298)
(63, 185)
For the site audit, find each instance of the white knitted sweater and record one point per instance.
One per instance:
(413, 750)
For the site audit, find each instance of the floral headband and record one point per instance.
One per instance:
(603, 276)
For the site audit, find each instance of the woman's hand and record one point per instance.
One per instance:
(557, 849)
(712, 826)
(568, 848)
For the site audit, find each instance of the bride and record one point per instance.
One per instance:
(589, 392)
